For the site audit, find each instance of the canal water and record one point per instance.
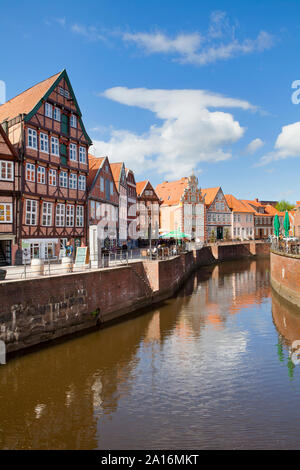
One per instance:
(207, 369)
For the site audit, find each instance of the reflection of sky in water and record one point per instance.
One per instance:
(209, 368)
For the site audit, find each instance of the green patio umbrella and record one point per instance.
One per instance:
(175, 234)
(286, 224)
(276, 225)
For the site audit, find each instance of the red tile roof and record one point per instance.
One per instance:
(26, 101)
(237, 206)
(116, 169)
(94, 164)
(209, 194)
(170, 192)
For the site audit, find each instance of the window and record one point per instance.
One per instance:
(63, 179)
(60, 215)
(93, 209)
(73, 181)
(5, 213)
(70, 216)
(6, 171)
(31, 212)
(52, 177)
(101, 184)
(81, 182)
(41, 174)
(44, 143)
(73, 121)
(73, 152)
(48, 110)
(111, 188)
(30, 172)
(56, 114)
(47, 214)
(32, 138)
(54, 146)
(63, 92)
(79, 216)
(82, 154)
(49, 250)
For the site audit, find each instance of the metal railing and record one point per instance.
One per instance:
(109, 259)
(285, 246)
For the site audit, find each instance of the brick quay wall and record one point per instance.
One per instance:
(35, 311)
(285, 275)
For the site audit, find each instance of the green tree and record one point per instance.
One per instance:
(284, 205)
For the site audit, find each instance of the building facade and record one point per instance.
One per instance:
(9, 200)
(242, 219)
(218, 214)
(45, 124)
(263, 218)
(103, 201)
(131, 206)
(182, 207)
(148, 203)
(119, 175)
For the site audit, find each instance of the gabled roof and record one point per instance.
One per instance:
(4, 138)
(142, 185)
(95, 164)
(29, 101)
(237, 206)
(209, 194)
(170, 192)
(116, 169)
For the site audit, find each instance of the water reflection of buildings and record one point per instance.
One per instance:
(286, 318)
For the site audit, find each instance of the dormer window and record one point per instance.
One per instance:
(48, 110)
(73, 121)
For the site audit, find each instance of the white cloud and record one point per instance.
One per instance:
(89, 32)
(254, 145)
(218, 43)
(190, 131)
(287, 145)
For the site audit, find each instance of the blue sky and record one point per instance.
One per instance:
(171, 86)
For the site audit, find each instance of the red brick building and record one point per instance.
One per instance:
(9, 200)
(45, 124)
(103, 197)
(119, 175)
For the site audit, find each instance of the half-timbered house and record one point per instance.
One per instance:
(218, 214)
(103, 201)
(9, 200)
(147, 211)
(45, 123)
(119, 174)
(131, 206)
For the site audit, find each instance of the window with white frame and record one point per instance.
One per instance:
(6, 214)
(79, 216)
(81, 182)
(101, 183)
(48, 110)
(31, 212)
(56, 114)
(70, 215)
(73, 152)
(54, 146)
(41, 175)
(6, 171)
(82, 154)
(93, 209)
(111, 188)
(30, 172)
(52, 177)
(73, 120)
(44, 143)
(63, 179)
(73, 181)
(60, 215)
(47, 214)
(32, 138)
(63, 92)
